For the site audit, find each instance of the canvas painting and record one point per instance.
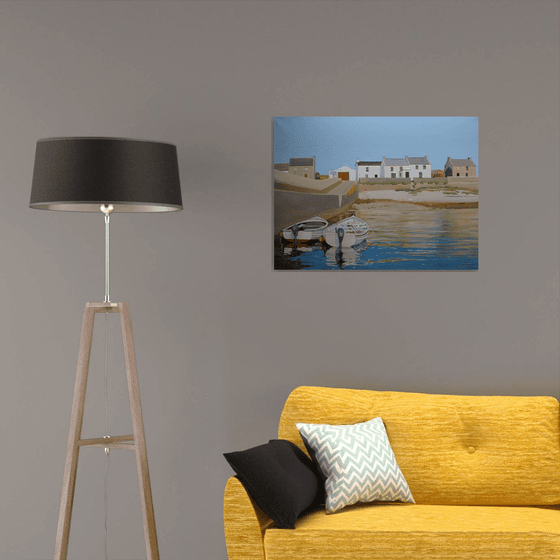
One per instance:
(375, 193)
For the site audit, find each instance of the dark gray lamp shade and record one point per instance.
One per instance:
(81, 174)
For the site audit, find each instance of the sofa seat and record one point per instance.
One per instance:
(413, 531)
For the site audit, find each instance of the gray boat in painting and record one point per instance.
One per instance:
(306, 230)
(346, 233)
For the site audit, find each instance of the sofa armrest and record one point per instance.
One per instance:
(244, 523)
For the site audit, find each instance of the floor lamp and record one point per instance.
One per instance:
(105, 175)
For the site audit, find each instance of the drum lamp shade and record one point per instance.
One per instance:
(80, 174)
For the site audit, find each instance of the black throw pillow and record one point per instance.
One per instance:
(281, 479)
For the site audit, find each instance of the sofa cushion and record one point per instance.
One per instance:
(281, 479)
(357, 461)
(397, 531)
(471, 450)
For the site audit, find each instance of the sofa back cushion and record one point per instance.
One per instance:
(463, 450)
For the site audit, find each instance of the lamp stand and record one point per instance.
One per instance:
(135, 442)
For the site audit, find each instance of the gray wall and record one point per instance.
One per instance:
(221, 338)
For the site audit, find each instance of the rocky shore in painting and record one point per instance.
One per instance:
(432, 198)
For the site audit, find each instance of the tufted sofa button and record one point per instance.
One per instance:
(470, 449)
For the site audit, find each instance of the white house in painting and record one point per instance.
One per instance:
(367, 169)
(420, 167)
(395, 168)
(345, 173)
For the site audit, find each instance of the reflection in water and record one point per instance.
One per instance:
(341, 257)
(344, 257)
(401, 237)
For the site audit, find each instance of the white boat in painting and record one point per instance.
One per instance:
(346, 233)
(307, 230)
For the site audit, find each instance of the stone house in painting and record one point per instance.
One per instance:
(303, 167)
(460, 168)
(367, 169)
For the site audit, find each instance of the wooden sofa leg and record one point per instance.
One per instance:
(244, 523)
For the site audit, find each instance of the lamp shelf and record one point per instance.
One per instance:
(103, 307)
(111, 442)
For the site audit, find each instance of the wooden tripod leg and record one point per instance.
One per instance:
(139, 438)
(72, 450)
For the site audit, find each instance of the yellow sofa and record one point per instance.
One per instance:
(484, 473)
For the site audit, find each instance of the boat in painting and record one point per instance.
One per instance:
(307, 230)
(346, 233)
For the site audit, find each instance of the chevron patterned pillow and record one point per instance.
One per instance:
(358, 463)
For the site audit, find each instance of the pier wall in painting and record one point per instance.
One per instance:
(290, 182)
(291, 207)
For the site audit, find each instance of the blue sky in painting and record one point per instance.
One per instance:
(338, 141)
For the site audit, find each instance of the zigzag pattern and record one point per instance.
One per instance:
(358, 462)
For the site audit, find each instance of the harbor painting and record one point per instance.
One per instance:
(375, 193)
